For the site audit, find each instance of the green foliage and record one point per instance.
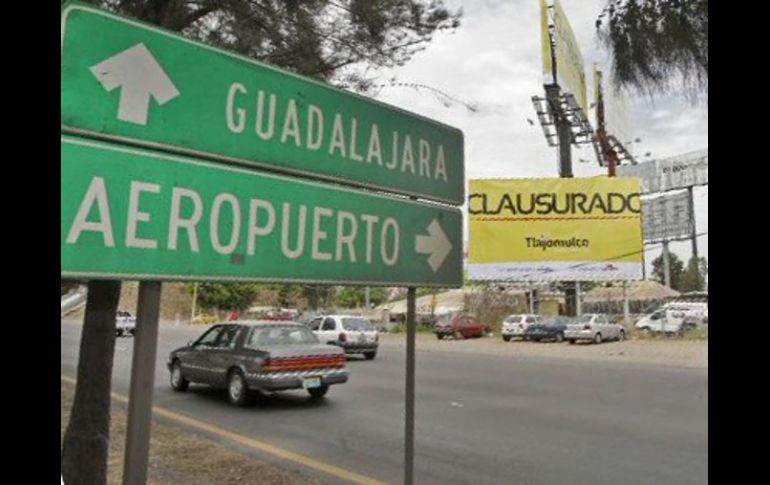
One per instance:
(227, 296)
(355, 296)
(654, 42)
(694, 277)
(676, 270)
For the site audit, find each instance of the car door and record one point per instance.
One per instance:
(605, 327)
(315, 326)
(474, 327)
(221, 356)
(328, 333)
(195, 359)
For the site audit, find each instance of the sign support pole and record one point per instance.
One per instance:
(666, 265)
(564, 134)
(625, 302)
(694, 233)
(409, 400)
(142, 384)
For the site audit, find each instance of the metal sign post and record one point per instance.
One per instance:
(409, 400)
(142, 383)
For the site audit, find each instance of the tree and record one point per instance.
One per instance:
(227, 296)
(694, 278)
(331, 40)
(654, 42)
(86, 440)
(676, 270)
(355, 296)
(335, 41)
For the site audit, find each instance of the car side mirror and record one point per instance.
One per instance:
(190, 343)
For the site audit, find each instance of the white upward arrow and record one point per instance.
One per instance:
(435, 243)
(141, 77)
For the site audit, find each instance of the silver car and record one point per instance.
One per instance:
(594, 327)
(259, 356)
(515, 325)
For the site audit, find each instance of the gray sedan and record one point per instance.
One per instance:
(264, 356)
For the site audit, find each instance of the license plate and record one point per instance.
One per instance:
(311, 382)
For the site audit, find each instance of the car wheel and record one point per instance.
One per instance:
(236, 388)
(370, 355)
(439, 336)
(178, 382)
(118, 332)
(598, 338)
(571, 341)
(319, 392)
(560, 337)
(458, 335)
(622, 336)
(506, 338)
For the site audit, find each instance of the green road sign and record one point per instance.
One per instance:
(130, 213)
(130, 82)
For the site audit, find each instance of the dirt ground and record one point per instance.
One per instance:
(674, 352)
(178, 456)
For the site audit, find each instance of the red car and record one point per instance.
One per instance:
(460, 326)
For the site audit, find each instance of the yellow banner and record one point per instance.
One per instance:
(587, 229)
(546, 44)
(570, 72)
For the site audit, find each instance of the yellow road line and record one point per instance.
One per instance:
(252, 443)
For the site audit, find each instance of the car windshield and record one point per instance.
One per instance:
(357, 324)
(584, 319)
(513, 318)
(280, 335)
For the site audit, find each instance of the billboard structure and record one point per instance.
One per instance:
(667, 218)
(672, 173)
(564, 79)
(612, 124)
(578, 229)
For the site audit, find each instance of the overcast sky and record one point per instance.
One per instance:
(494, 61)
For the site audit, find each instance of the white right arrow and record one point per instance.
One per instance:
(141, 78)
(435, 243)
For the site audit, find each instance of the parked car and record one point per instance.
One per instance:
(666, 320)
(355, 335)
(546, 330)
(595, 327)
(125, 323)
(264, 356)
(460, 327)
(514, 326)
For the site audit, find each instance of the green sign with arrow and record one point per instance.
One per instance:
(131, 213)
(130, 82)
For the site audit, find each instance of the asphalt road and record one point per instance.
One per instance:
(480, 419)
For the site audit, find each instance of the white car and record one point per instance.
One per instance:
(666, 320)
(594, 327)
(125, 323)
(515, 325)
(356, 335)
